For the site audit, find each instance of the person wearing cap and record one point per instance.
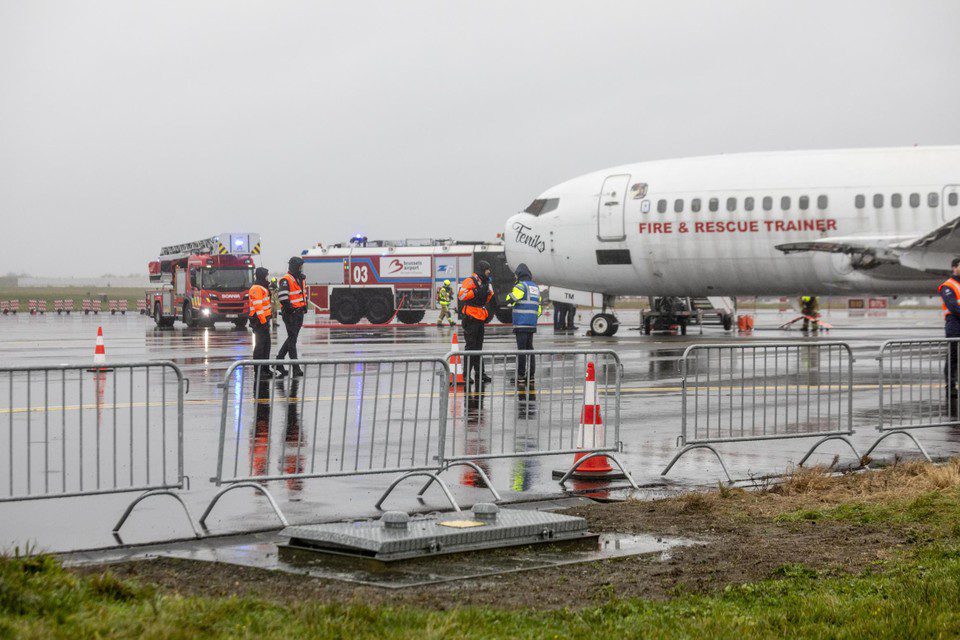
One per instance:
(473, 297)
(525, 300)
(444, 296)
(950, 295)
(293, 302)
(260, 313)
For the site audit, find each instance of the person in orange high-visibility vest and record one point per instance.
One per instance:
(260, 313)
(293, 301)
(950, 295)
(474, 296)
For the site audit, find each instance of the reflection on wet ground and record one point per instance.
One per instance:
(650, 420)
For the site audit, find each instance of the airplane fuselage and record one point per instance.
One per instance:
(712, 225)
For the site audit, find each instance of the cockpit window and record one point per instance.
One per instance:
(541, 206)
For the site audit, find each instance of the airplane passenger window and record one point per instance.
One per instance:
(785, 203)
(914, 200)
(804, 203)
(878, 201)
(896, 200)
(661, 206)
(767, 203)
(933, 199)
(678, 205)
(952, 199)
(748, 204)
(714, 204)
(860, 201)
(821, 202)
(731, 204)
(695, 205)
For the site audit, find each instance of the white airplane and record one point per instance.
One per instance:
(842, 222)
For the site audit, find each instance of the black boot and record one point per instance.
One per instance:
(297, 371)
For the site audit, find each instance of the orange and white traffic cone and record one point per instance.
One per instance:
(456, 363)
(99, 353)
(591, 434)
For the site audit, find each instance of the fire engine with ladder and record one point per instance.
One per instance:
(378, 279)
(204, 281)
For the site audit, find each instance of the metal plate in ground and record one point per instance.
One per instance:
(260, 551)
(427, 536)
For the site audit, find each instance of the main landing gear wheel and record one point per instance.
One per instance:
(727, 322)
(604, 324)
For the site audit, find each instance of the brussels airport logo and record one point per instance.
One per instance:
(407, 267)
(529, 239)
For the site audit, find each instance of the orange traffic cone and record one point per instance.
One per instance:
(99, 353)
(456, 362)
(591, 434)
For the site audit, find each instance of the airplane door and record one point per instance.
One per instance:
(610, 208)
(951, 194)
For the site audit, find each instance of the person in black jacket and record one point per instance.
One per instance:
(293, 302)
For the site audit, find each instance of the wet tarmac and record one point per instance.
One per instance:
(651, 415)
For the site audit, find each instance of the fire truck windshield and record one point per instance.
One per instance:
(228, 279)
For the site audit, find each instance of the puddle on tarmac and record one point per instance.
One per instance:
(261, 550)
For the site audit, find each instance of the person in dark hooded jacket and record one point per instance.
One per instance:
(525, 300)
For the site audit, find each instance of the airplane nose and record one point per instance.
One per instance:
(522, 240)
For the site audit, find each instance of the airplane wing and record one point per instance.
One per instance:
(931, 252)
(934, 251)
(865, 252)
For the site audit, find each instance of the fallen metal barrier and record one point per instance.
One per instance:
(912, 387)
(765, 391)
(72, 430)
(539, 415)
(344, 417)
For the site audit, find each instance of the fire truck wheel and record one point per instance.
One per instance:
(162, 322)
(240, 324)
(379, 309)
(348, 309)
(411, 316)
(189, 317)
(727, 322)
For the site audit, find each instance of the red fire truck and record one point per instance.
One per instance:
(377, 278)
(204, 282)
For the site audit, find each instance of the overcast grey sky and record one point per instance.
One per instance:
(125, 125)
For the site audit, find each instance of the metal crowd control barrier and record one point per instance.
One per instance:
(344, 417)
(540, 416)
(73, 430)
(913, 387)
(765, 391)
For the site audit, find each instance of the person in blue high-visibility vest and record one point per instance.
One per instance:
(525, 300)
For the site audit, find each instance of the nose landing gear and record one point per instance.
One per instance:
(604, 324)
